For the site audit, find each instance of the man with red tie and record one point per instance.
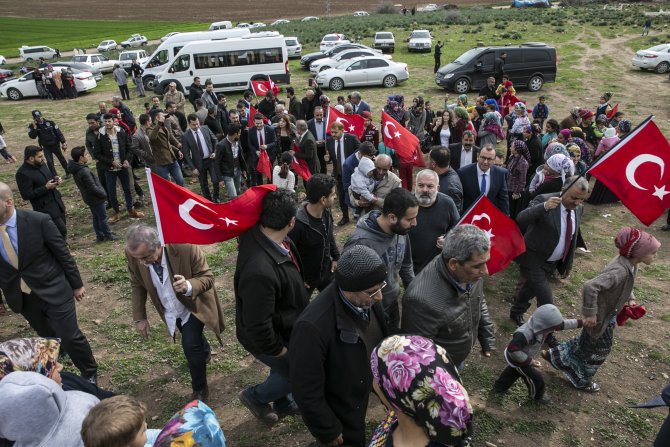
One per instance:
(261, 137)
(340, 145)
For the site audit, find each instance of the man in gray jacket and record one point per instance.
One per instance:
(446, 303)
(386, 233)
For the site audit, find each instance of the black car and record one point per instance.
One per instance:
(307, 59)
(6, 75)
(528, 65)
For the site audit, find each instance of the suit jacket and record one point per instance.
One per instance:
(311, 126)
(32, 181)
(455, 155)
(189, 147)
(187, 260)
(351, 145)
(307, 152)
(225, 162)
(362, 107)
(45, 263)
(270, 140)
(497, 190)
(543, 230)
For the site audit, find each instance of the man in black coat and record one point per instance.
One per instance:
(463, 153)
(317, 127)
(199, 148)
(450, 182)
(484, 178)
(195, 92)
(307, 145)
(270, 294)
(51, 140)
(230, 161)
(489, 90)
(261, 137)
(37, 184)
(40, 280)
(499, 67)
(340, 145)
(331, 346)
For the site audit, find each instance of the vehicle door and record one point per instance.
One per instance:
(357, 73)
(27, 85)
(514, 66)
(539, 60)
(182, 70)
(483, 68)
(377, 69)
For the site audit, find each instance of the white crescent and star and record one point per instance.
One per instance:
(386, 130)
(185, 214)
(262, 88)
(478, 217)
(636, 162)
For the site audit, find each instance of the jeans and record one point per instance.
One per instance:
(208, 170)
(196, 349)
(139, 84)
(49, 153)
(123, 175)
(231, 189)
(100, 224)
(172, 170)
(276, 387)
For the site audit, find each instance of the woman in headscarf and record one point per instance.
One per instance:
(460, 125)
(609, 139)
(576, 155)
(490, 131)
(555, 148)
(551, 176)
(395, 107)
(572, 120)
(605, 298)
(194, 425)
(623, 128)
(601, 194)
(563, 136)
(420, 387)
(517, 165)
(531, 136)
(521, 121)
(584, 148)
(493, 102)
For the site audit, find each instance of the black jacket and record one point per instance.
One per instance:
(330, 368)
(225, 162)
(103, 148)
(89, 186)
(269, 294)
(32, 181)
(307, 146)
(47, 133)
(194, 92)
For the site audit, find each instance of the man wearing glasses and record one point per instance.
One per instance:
(330, 349)
(485, 178)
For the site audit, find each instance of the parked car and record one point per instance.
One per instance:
(330, 62)
(361, 14)
(107, 45)
(257, 25)
(330, 40)
(307, 59)
(3, 61)
(430, 7)
(223, 24)
(126, 58)
(96, 60)
(135, 41)
(168, 35)
(35, 52)
(243, 25)
(6, 75)
(420, 40)
(656, 58)
(24, 86)
(309, 19)
(293, 46)
(384, 41)
(280, 22)
(97, 74)
(368, 70)
(530, 64)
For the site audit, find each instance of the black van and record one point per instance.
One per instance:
(531, 64)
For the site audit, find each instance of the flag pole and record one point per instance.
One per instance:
(154, 203)
(465, 213)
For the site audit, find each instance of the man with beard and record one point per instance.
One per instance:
(489, 90)
(266, 106)
(437, 215)
(51, 140)
(230, 161)
(386, 180)
(91, 135)
(208, 97)
(463, 153)
(195, 92)
(175, 96)
(172, 121)
(317, 126)
(450, 182)
(386, 233)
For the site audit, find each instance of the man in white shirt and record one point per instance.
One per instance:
(464, 153)
(485, 178)
(199, 147)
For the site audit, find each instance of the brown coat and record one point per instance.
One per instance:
(189, 261)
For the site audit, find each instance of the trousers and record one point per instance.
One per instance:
(196, 349)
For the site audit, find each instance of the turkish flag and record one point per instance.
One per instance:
(274, 87)
(183, 217)
(264, 166)
(353, 124)
(612, 112)
(260, 88)
(506, 240)
(635, 171)
(405, 144)
(299, 165)
(252, 113)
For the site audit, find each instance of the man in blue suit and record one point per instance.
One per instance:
(261, 138)
(360, 106)
(485, 178)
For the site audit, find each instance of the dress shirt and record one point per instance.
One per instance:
(466, 156)
(205, 148)
(173, 308)
(319, 129)
(557, 255)
(480, 173)
(13, 237)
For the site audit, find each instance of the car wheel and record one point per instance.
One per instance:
(30, 59)
(389, 81)
(144, 44)
(462, 86)
(14, 94)
(663, 67)
(336, 84)
(149, 83)
(535, 83)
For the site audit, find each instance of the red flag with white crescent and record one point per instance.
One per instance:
(274, 87)
(183, 217)
(299, 165)
(353, 124)
(506, 240)
(263, 165)
(252, 113)
(405, 144)
(260, 88)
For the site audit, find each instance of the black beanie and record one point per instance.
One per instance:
(359, 268)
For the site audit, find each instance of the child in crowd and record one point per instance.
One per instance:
(526, 343)
(119, 421)
(9, 158)
(282, 176)
(362, 182)
(541, 111)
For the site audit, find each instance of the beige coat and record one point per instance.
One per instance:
(177, 97)
(189, 261)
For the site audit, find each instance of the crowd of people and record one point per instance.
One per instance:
(304, 304)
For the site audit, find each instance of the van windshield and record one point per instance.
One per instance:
(468, 56)
(159, 59)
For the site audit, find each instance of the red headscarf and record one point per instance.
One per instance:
(634, 243)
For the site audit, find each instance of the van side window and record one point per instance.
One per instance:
(486, 59)
(537, 56)
(514, 57)
(183, 63)
(238, 58)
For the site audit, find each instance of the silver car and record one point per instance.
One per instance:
(369, 70)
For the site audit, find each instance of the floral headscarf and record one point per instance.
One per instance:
(492, 117)
(463, 99)
(522, 149)
(561, 164)
(36, 354)
(418, 379)
(519, 106)
(555, 148)
(395, 107)
(625, 126)
(194, 425)
(586, 154)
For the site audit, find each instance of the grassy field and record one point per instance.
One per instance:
(594, 50)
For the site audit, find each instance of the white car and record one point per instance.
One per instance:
(257, 25)
(384, 41)
(309, 19)
(369, 70)
(293, 46)
(168, 35)
(96, 60)
(243, 25)
(361, 14)
(330, 62)
(655, 58)
(330, 40)
(135, 41)
(107, 45)
(430, 7)
(24, 86)
(420, 40)
(3, 61)
(280, 22)
(126, 58)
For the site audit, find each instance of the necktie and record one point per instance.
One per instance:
(338, 167)
(196, 134)
(11, 254)
(158, 268)
(483, 187)
(260, 138)
(568, 235)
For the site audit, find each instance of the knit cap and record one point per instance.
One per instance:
(359, 268)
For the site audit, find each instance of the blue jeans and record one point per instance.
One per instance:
(123, 175)
(196, 349)
(172, 170)
(276, 387)
(100, 220)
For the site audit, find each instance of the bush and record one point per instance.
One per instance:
(386, 8)
(453, 17)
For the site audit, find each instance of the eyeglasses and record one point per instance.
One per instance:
(372, 295)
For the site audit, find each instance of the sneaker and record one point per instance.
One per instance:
(92, 379)
(134, 214)
(590, 388)
(114, 218)
(263, 412)
(551, 341)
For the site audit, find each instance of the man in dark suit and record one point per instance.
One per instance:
(40, 280)
(359, 105)
(485, 178)
(199, 148)
(340, 145)
(38, 185)
(463, 153)
(317, 126)
(262, 137)
(230, 163)
(307, 145)
(552, 223)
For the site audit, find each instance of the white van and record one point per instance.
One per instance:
(168, 49)
(229, 63)
(225, 24)
(33, 53)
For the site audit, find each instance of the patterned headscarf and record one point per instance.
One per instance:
(634, 243)
(562, 164)
(194, 425)
(625, 126)
(555, 148)
(522, 149)
(417, 379)
(492, 117)
(463, 99)
(574, 150)
(461, 113)
(522, 107)
(36, 354)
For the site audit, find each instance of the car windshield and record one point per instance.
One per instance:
(420, 35)
(342, 64)
(291, 42)
(330, 38)
(467, 56)
(384, 36)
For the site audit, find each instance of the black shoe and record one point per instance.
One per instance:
(343, 222)
(261, 411)
(543, 400)
(291, 410)
(551, 341)
(112, 237)
(100, 238)
(202, 395)
(93, 379)
(516, 318)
